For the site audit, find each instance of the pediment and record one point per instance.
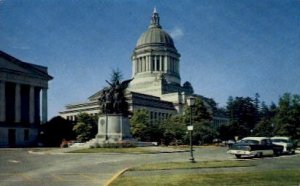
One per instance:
(11, 64)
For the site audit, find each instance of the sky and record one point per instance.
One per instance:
(228, 47)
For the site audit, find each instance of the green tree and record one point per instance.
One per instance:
(202, 121)
(139, 124)
(115, 76)
(265, 126)
(85, 127)
(173, 130)
(243, 115)
(287, 118)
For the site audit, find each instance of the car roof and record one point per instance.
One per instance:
(255, 138)
(280, 137)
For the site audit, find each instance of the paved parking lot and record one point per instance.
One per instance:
(19, 167)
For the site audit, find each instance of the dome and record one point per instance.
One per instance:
(155, 34)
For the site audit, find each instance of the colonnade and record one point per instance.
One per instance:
(152, 63)
(19, 103)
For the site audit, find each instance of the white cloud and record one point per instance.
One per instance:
(176, 33)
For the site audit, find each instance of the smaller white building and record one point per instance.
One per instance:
(23, 100)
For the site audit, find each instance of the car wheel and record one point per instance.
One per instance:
(293, 152)
(259, 154)
(277, 153)
(238, 156)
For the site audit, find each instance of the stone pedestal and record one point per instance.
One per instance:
(113, 128)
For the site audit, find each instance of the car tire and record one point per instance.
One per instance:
(259, 155)
(293, 152)
(238, 156)
(277, 153)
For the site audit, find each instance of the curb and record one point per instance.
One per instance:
(115, 177)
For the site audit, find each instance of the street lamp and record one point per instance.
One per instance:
(191, 102)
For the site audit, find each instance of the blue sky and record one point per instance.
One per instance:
(227, 47)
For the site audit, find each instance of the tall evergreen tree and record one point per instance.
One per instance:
(242, 113)
(287, 118)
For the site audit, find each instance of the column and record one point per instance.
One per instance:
(147, 63)
(137, 65)
(155, 63)
(144, 64)
(2, 102)
(151, 61)
(160, 63)
(133, 67)
(18, 103)
(140, 65)
(166, 63)
(31, 104)
(44, 106)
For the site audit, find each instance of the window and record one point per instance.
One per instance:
(26, 135)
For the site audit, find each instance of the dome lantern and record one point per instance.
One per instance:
(155, 19)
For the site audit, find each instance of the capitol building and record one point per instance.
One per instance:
(156, 83)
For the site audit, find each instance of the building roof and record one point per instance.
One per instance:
(9, 63)
(155, 34)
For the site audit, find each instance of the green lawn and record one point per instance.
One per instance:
(189, 165)
(266, 178)
(134, 150)
(261, 178)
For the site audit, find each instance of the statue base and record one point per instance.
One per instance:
(113, 128)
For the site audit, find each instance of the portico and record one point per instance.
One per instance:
(23, 100)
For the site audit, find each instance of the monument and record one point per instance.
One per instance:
(113, 122)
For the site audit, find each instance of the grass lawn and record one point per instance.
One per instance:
(263, 178)
(272, 177)
(133, 150)
(189, 165)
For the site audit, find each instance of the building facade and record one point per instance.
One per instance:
(156, 82)
(23, 100)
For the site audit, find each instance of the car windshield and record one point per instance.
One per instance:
(280, 140)
(250, 141)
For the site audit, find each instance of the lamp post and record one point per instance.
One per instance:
(191, 102)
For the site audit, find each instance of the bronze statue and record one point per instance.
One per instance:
(112, 99)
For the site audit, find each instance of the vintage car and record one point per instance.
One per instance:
(255, 147)
(285, 142)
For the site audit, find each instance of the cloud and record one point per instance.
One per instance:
(176, 33)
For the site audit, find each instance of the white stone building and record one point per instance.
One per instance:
(156, 83)
(23, 100)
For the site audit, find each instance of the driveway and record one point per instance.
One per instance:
(20, 167)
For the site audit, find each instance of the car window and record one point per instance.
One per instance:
(250, 141)
(280, 140)
(268, 142)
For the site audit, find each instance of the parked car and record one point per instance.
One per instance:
(286, 143)
(255, 147)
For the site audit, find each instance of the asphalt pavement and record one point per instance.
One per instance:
(41, 166)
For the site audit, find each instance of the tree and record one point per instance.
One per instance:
(139, 123)
(265, 126)
(243, 115)
(287, 118)
(55, 130)
(202, 119)
(116, 76)
(85, 127)
(173, 129)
